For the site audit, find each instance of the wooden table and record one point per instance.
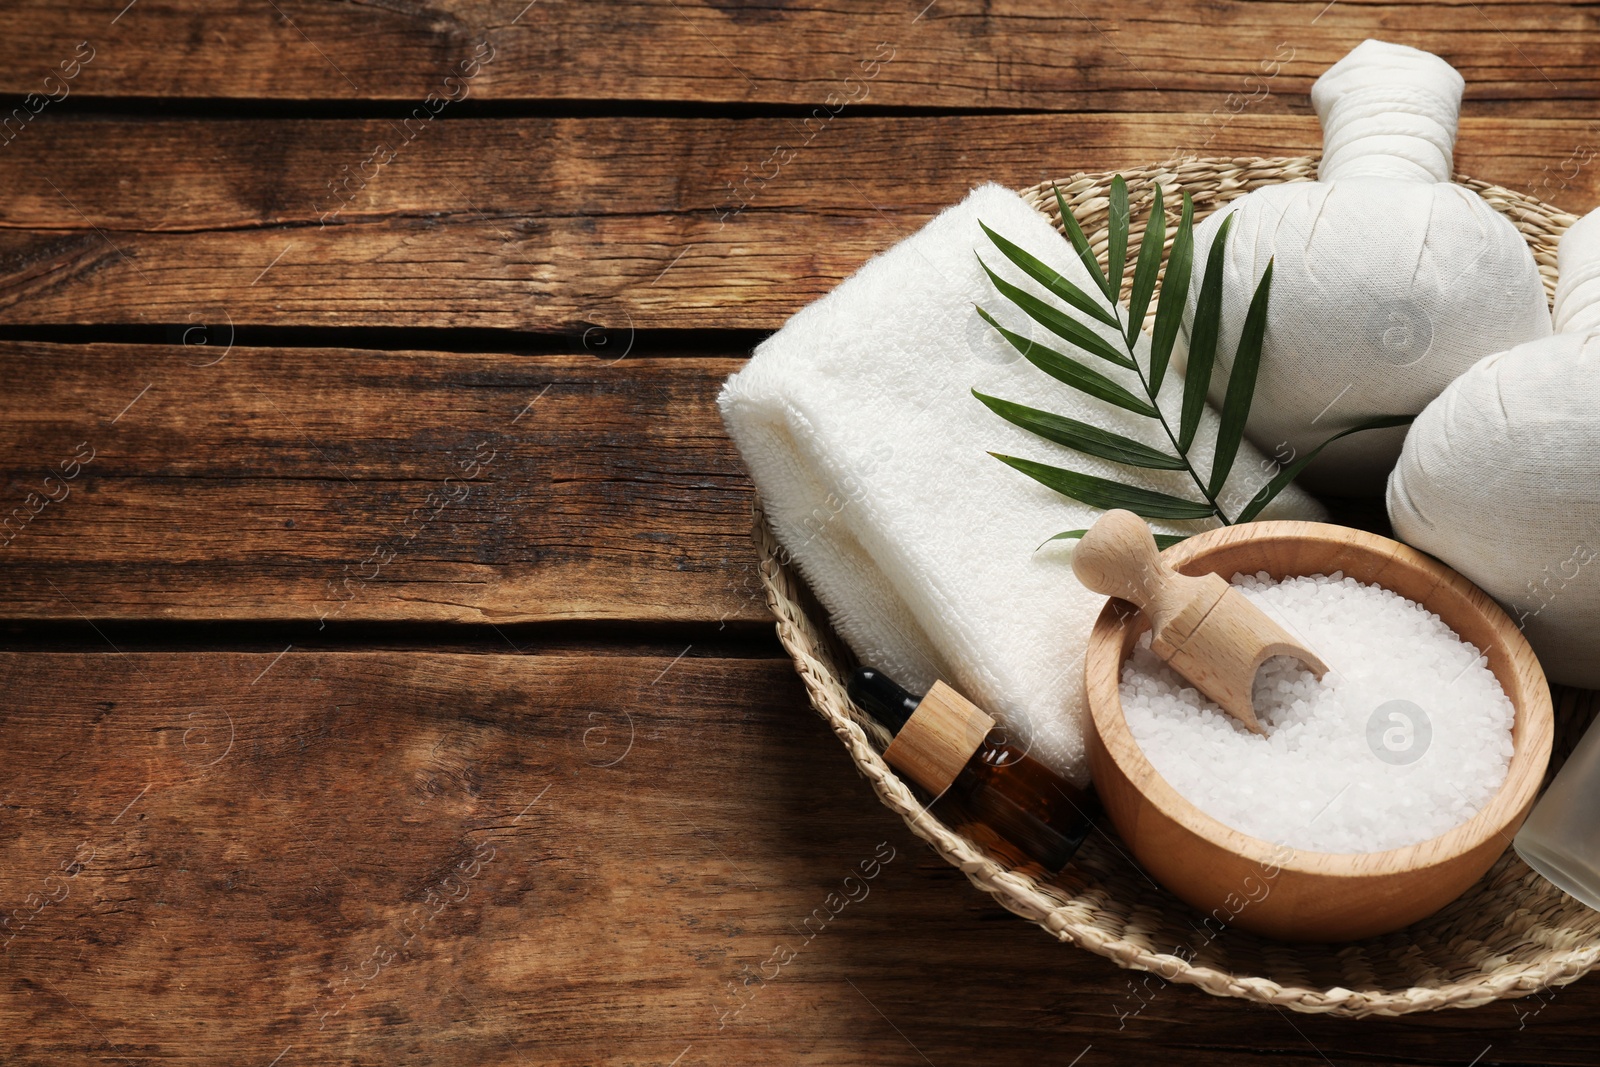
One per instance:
(387, 678)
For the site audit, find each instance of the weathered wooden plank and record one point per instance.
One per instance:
(561, 224)
(141, 482)
(374, 858)
(206, 483)
(1139, 56)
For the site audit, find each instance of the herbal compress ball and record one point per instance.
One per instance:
(1500, 476)
(1389, 280)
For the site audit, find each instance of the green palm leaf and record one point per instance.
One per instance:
(1059, 323)
(1145, 270)
(1292, 471)
(1071, 372)
(1163, 541)
(1203, 340)
(1052, 280)
(1174, 294)
(1081, 243)
(1105, 494)
(1117, 237)
(1241, 384)
(1088, 439)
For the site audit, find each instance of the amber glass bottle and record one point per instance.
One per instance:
(980, 781)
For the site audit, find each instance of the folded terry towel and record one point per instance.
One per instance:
(869, 451)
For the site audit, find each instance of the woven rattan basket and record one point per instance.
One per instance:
(1511, 934)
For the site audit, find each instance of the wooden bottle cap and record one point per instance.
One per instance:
(939, 739)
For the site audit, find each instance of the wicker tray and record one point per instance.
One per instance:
(1510, 935)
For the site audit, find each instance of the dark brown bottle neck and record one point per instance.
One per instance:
(882, 697)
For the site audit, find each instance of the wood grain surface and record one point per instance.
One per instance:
(565, 225)
(1146, 55)
(387, 677)
(346, 485)
(378, 858)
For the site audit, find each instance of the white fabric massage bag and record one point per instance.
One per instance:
(1500, 476)
(1389, 280)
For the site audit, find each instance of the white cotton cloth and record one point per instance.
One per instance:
(1577, 307)
(869, 451)
(1388, 281)
(1388, 111)
(1500, 476)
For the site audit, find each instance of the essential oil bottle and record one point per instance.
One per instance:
(988, 787)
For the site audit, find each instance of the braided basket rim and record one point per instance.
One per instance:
(1458, 958)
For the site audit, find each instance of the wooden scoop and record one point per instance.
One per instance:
(1202, 627)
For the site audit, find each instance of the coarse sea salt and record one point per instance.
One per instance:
(1407, 736)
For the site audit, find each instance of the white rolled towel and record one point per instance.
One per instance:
(869, 451)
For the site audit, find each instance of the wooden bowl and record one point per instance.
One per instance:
(1243, 881)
